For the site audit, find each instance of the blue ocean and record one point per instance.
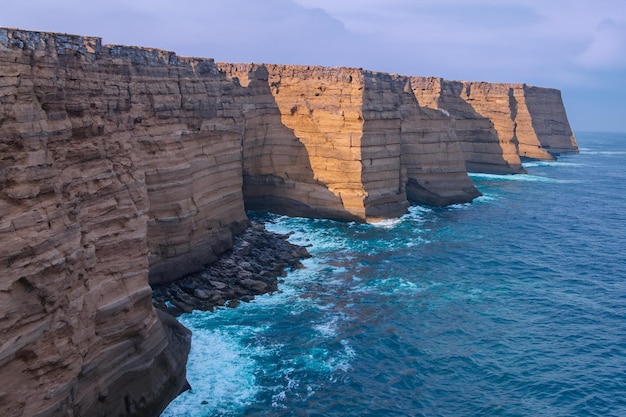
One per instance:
(513, 305)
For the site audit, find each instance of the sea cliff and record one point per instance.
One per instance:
(498, 123)
(343, 143)
(125, 167)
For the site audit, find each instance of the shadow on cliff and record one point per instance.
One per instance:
(277, 172)
(477, 134)
(555, 134)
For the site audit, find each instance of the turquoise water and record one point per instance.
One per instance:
(514, 305)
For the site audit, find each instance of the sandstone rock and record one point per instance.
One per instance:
(432, 156)
(82, 126)
(298, 154)
(543, 130)
(189, 144)
(482, 121)
(497, 123)
(339, 143)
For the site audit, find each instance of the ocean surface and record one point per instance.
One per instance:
(513, 305)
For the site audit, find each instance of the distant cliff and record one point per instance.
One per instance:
(498, 123)
(122, 167)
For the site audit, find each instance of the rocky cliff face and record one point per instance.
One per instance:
(431, 167)
(432, 155)
(117, 163)
(483, 123)
(343, 143)
(187, 132)
(122, 167)
(543, 130)
(298, 157)
(497, 123)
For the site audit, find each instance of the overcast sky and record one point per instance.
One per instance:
(578, 46)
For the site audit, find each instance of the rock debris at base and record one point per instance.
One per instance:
(251, 268)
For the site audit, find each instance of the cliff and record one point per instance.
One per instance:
(543, 130)
(125, 167)
(498, 123)
(118, 164)
(343, 143)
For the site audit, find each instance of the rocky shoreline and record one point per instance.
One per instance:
(251, 268)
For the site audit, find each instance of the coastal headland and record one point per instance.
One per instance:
(123, 169)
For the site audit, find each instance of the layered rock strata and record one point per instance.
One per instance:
(431, 154)
(543, 130)
(116, 163)
(431, 165)
(344, 143)
(283, 167)
(122, 167)
(483, 124)
(498, 123)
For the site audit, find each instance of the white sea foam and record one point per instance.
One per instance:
(328, 328)
(418, 211)
(223, 365)
(460, 206)
(415, 214)
(607, 153)
(330, 325)
(320, 356)
(221, 372)
(389, 286)
(337, 240)
(535, 164)
(417, 241)
(318, 240)
(514, 177)
(349, 354)
(317, 359)
(486, 198)
(387, 223)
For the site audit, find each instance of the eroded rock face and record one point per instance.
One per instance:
(116, 163)
(543, 130)
(188, 135)
(286, 167)
(497, 123)
(344, 143)
(433, 158)
(311, 161)
(482, 121)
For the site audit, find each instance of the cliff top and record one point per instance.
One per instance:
(91, 47)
